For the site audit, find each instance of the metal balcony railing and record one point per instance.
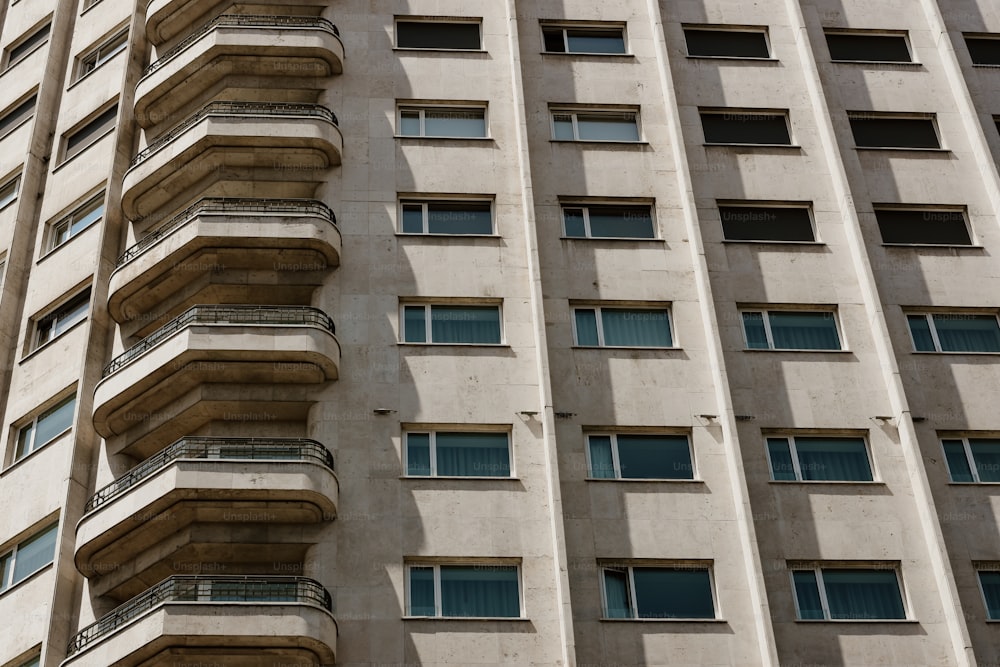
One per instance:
(230, 206)
(216, 449)
(237, 109)
(241, 21)
(246, 315)
(205, 589)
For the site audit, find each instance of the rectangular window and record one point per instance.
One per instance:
(601, 40)
(599, 326)
(871, 47)
(80, 139)
(954, 332)
(450, 35)
(34, 662)
(706, 42)
(972, 460)
(681, 592)
(9, 190)
(45, 428)
(452, 324)
(482, 590)
(848, 594)
(441, 216)
(28, 557)
(102, 54)
(17, 115)
(818, 459)
(27, 45)
(984, 49)
(62, 318)
(595, 125)
(608, 221)
(989, 583)
(77, 221)
(791, 330)
(789, 223)
(443, 122)
(455, 454)
(928, 226)
(639, 456)
(876, 130)
(735, 126)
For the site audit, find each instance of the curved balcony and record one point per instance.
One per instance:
(134, 531)
(235, 149)
(287, 244)
(240, 52)
(167, 19)
(241, 345)
(258, 621)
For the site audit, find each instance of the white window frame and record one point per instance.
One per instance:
(97, 201)
(410, 564)
(98, 56)
(721, 27)
(33, 425)
(36, 341)
(929, 318)
(770, 339)
(423, 202)
(969, 459)
(633, 598)
(423, 108)
(563, 27)
(431, 19)
(892, 115)
(15, 184)
(428, 324)
(585, 206)
(617, 463)
(825, 603)
(8, 581)
(600, 326)
(905, 34)
(432, 432)
(573, 112)
(796, 464)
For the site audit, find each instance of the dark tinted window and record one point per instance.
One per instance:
(742, 127)
(560, 39)
(766, 223)
(16, 115)
(28, 45)
(726, 43)
(868, 47)
(874, 132)
(931, 226)
(984, 50)
(437, 35)
(90, 132)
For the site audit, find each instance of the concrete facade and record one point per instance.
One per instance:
(242, 388)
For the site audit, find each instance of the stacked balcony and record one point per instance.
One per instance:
(221, 339)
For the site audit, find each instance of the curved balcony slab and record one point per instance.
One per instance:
(239, 51)
(168, 19)
(243, 345)
(183, 620)
(272, 239)
(235, 149)
(228, 483)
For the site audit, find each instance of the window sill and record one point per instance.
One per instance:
(986, 65)
(632, 239)
(462, 478)
(62, 245)
(626, 347)
(599, 142)
(88, 74)
(31, 576)
(836, 482)
(881, 63)
(857, 620)
(944, 352)
(521, 619)
(447, 236)
(752, 59)
(27, 456)
(407, 344)
(933, 245)
(51, 342)
(974, 484)
(653, 480)
(794, 147)
(589, 54)
(754, 349)
(415, 49)
(84, 149)
(433, 138)
(903, 149)
(756, 242)
(663, 620)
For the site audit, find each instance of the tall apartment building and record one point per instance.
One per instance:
(548, 332)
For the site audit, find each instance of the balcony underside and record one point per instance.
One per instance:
(205, 353)
(234, 156)
(168, 19)
(190, 634)
(240, 63)
(241, 514)
(277, 259)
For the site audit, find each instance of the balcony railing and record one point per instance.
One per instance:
(241, 21)
(223, 206)
(248, 109)
(209, 589)
(246, 315)
(219, 449)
